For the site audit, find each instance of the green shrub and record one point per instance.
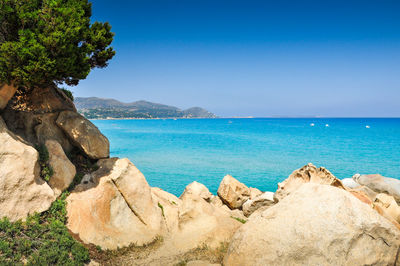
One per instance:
(43, 239)
(43, 153)
(58, 210)
(46, 171)
(68, 93)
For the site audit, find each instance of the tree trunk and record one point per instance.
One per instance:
(7, 91)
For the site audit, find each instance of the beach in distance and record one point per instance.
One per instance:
(259, 152)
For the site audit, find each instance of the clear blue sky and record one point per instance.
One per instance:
(254, 58)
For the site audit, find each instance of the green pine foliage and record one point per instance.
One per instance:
(47, 42)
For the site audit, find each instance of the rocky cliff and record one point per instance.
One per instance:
(50, 156)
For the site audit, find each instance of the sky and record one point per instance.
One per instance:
(253, 58)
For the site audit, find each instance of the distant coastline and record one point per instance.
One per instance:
(158, 118)
(244, 117)
(107, 109)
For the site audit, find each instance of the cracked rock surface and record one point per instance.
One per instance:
(114, 207)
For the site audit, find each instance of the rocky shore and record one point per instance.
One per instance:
(313, 218)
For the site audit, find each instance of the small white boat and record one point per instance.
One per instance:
(367, 126)
(312, 124)
(230, 122)
(327, 125)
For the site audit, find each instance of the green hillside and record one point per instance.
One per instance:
(98, 108)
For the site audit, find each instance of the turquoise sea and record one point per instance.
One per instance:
(259, 152)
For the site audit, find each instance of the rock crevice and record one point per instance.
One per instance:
(127, 202)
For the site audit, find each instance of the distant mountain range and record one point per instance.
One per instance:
(99, 108)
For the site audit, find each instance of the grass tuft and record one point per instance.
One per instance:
(243, 221)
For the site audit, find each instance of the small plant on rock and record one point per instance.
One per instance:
(162, 209)
(46, 171)
(243, 221)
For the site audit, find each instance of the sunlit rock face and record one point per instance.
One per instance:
(84, 134)
(232, 192)
(308, 173)
(22, 190)
(315, 225)
(114, 207)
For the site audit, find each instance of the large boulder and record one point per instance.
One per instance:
(196, 189)
(6, 93)
(114, 207)
(308, 173)
(199, 223)
(31, 115)
(49, 100)
(232, 192)
(46, 129)
(40, 100)
(316, 225)
(36, 128)
(64, 170)
(22, 190)
(193, 221)
(251, 205)
(380, 184)
(84, 134)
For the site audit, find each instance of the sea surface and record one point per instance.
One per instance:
(259, 152)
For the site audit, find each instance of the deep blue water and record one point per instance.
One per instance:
(259, 152)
